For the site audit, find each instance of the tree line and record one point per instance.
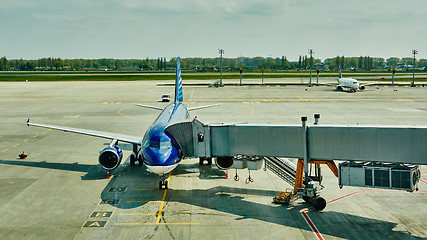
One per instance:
(365, 63)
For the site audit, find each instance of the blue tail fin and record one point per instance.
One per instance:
(340, 71)
(178, 83)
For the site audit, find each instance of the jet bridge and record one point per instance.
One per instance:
(375, 156)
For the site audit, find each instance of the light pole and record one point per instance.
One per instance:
(221, 51)
(413, 70)
(310, 51)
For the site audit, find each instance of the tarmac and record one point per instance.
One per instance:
(60, 192)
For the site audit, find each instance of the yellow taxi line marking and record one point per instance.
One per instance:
(50, 129)
(16, 145)
(140, 201)
(137, 214)
(135, 224)
(26, 140)
(5, 150)
(120, 112)
(35, 136)
(147, 189)
(163, 201)
(405, 100)
(42, 133)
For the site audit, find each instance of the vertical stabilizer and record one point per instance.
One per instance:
(178, 82)
(339, 68)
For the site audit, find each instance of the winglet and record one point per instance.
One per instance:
(178, 82)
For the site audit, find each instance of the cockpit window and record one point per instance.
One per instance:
(160, 145)
(354, 82)
(164, 145)
(154, 144)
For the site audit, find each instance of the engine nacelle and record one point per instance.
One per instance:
(362, 87)
(339, 88)
(224, 163)
(110, 158)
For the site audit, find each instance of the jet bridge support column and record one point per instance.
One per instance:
(305, 148)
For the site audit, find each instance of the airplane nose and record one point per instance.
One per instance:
(157, 157)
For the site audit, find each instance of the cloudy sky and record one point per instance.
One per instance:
(33, 29)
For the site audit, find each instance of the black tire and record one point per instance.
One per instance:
(201, 160)
(132, 159)
(319, 203)
(209, 161)
(307, 199)
(140, 161)
(166, 184)
(160, 185)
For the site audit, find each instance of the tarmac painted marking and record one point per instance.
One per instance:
(35, 136)
(42, 133)
(117, 189)
(251, 102)
(50, 129)
(138, 214)
(423, 181)
(271, 100)
(110, 201)
(5, 150)
(136, 224)
(142, 201)
(147, 189)
(120, 112)
(26, 140)
(16, 145)
(163, 201)
(105, 214)
(405, 100)
(313, 227)
(95, 224)
(309, 100)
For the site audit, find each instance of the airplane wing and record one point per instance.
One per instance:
(100, 134)
(147, 106)
(207, 106)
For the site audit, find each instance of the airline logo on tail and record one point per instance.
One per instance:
(178, 82)
(340, 71)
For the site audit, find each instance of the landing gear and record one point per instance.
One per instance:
(132, 159)
(140, 161)
(203, 159)
(163, 183)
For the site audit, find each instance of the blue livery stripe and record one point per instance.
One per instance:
(178, 83)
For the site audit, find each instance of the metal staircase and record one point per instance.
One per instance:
(282, 168)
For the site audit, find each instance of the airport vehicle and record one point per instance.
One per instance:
(166, 98)
(157, 149)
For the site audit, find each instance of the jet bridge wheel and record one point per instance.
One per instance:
(202, 160)
(319, 203)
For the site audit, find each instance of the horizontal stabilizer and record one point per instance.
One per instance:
(147, 106)
(207, 106)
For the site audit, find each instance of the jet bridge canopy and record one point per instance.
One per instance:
(391, 144)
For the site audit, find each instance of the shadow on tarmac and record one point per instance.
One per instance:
(222, 199)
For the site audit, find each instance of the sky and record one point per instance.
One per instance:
(139, 29)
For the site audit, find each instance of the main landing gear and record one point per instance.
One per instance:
(163, 183)
(135, 156)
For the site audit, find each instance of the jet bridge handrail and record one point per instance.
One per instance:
(389, 144)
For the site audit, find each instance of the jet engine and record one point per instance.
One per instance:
(110, 157)
(362, 87)
(224, 163)
(339, 88)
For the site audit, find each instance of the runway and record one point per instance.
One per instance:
(60, 192)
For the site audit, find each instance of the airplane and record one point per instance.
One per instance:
(350, 83)
(158, 150)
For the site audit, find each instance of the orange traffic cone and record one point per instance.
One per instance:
(108, 174)
(226, 174)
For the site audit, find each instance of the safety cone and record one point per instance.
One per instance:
(108, 174)
(226, 174)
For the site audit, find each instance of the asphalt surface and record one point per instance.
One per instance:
(60, 192)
